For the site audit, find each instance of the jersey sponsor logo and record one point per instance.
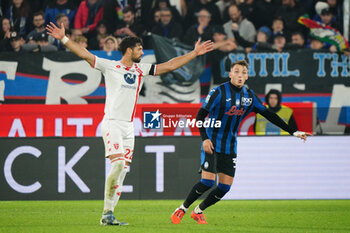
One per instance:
(235, 111)
(130, 78)
(152, 120)
(228, 100)
(246, 101)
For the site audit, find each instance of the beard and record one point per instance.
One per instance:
(136, 59)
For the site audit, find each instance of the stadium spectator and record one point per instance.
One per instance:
(82, 41)
(165, 4)
(278, 27)
(39, 25)
(60, 19)
(202, 30)
(221, 42)
(101, 32)
(290, 11)
(131, 26)
(89, 13)
(279, 41)
(167, 27)
(56, 7)
(246, 28)
(5, 28)
(336, 7)
(75, 33)
(19, 14)
(324, 15)
(16, 42)
(110, 44)
(39, 43)
(316, 44)
(298, 41)
(273, 100)
(5, 33)
(155, 21)
(262, 37)
(196, 5)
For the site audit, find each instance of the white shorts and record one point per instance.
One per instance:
(118, 137)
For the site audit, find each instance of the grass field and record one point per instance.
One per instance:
(154, 216)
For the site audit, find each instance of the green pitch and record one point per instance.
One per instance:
(154, 216)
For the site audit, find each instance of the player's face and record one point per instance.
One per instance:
(137, 53)
(273, 100)
(238, 75)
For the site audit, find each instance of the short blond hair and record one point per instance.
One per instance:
(115, 41)
(80, 39)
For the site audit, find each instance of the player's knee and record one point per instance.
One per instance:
(224, 188)
(207, 182)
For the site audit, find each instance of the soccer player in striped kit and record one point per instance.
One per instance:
(123, 80)
(230, 103)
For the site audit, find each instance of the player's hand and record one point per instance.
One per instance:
(302, 135)
(203, 48)
(208, 146)
(55, 32)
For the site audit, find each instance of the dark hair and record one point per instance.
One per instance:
(128, 9)
(241, 63)
(39, 13)
(2, 33)
(59, 16)
(298, 33)
(273, 92)
(129, 42)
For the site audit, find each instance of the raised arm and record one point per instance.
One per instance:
(59, 34)
(177, 62)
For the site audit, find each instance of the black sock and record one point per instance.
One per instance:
(197, 190)
(213, 197)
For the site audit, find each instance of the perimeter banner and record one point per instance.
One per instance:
(72, 120)
(167, 168)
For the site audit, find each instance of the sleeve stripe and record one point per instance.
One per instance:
(153, 70)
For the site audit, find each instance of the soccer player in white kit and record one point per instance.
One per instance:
(123, 80)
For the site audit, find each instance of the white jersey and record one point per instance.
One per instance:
(123, 85)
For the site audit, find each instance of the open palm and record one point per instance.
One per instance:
(203, 48)
(55, 32)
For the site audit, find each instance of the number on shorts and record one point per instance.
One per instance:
(129, 153)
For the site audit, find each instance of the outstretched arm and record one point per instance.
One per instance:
(177, 62)
(59, 34)
(274, 118)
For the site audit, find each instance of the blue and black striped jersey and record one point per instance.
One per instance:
(230, 105)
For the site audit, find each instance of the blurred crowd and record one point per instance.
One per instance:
(242, 25)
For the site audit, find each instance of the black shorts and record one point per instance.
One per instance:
(219, 163)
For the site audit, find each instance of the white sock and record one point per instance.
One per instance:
(198, 210)
(119, 190)
(112, 182)
(183, 207)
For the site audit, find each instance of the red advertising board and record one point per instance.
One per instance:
(39, 120)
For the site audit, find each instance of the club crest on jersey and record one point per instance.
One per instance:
(246, 101)
(130, 78)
